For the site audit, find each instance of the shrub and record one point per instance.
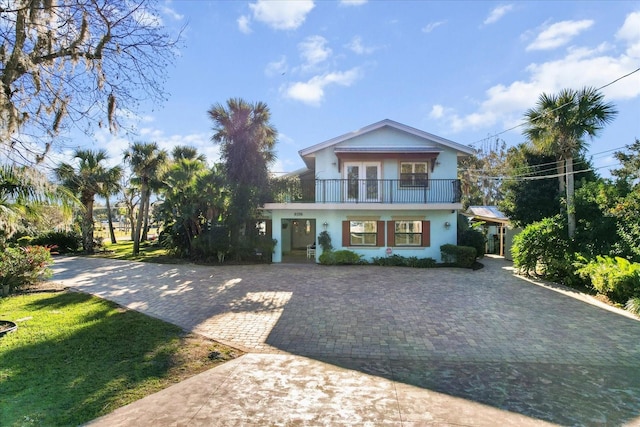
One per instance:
(474, 238)
(341, 257)
(633, 305)
(390, 261)
(416, 262)
(543, 248)
(461, 256)
(400, 261)
(617, 278)
(324, 240)
(63, 241)
(21, 267)
(212, 243)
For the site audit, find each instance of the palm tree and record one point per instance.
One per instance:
(247, 141)
(183, 203)
(558, 125)
(86, 181)
(111, 186)
(147, 161)
(24, 195)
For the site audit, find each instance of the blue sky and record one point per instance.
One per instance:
(462, 70)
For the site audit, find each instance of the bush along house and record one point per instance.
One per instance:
(384, 189)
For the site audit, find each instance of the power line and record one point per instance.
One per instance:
(550, 111)
(537, 178)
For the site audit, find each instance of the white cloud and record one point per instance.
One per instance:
(352, 2)
(559, 34)
(314, 51)
(358, 47)
(497, 14)
(171, 12)
(504, 104)
(244, 24)
(281, 15)
(312, 91)
(437, 112)
(630, 33)
(275, 68)
(432, 26)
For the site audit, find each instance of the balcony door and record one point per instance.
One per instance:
(361, 180)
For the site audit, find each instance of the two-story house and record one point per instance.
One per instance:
(384, 189)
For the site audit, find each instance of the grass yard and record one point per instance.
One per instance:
(75, 357)
(149, 252)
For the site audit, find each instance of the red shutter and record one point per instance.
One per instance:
(426, 234)
(391, 233)
(380, 235)
(346, 233)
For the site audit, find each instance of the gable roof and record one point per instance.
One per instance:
(462, 149)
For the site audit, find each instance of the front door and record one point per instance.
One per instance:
(361, 181)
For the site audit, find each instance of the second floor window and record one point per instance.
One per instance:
(414, 174)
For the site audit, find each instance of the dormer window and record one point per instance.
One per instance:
(414, 174)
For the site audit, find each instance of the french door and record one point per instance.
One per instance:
(361, 180)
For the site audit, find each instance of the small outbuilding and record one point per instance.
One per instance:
(496, 227)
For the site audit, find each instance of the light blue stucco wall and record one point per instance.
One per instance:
(326, 163)
(327, 167)
(439, 234)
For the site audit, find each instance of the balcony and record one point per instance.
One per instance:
(388, 191)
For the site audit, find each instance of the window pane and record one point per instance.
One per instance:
(408, 239)
(370, 239)
(363, 233)
(406, 168)
(408, 226)
(372, 172)
(363, 226)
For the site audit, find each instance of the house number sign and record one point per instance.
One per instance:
(297, 214)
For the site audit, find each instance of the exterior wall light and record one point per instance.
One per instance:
(325, 225)
(447, 225)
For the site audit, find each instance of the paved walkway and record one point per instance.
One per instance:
(379, 346)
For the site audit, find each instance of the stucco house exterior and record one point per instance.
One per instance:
(386, 188)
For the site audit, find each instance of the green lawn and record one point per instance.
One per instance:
(149, 252)
(75, 357)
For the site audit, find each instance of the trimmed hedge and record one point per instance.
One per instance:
(461, 256)
(400, 261)
(341, 257)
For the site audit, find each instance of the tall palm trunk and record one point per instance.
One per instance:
(571, 211)
(145, 227)
(87, 225)
(136, 235)
(112, 234)
(561, 175)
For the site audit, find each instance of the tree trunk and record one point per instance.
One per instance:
(571, 209)
(136, 234)
(112, 234)
(561, 175)
(145, 228)
(132, 221)
(87, 226)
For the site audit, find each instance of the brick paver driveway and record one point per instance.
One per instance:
(485, 335)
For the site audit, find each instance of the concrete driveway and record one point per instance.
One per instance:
(379, 346)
